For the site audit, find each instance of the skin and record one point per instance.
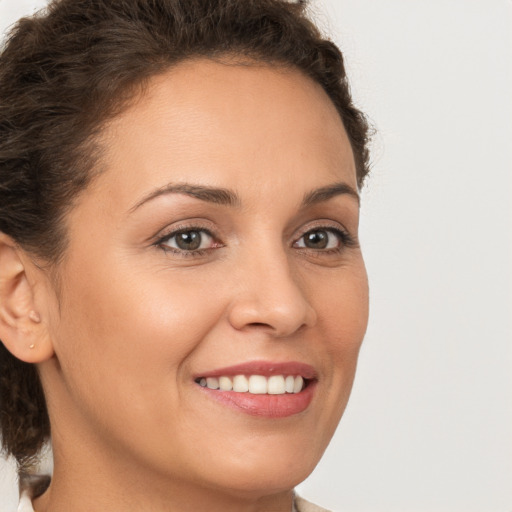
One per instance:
(119, 342)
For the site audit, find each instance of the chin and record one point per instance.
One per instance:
(262, 482)
(269, 471)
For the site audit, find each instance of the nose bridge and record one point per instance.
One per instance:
(270, 293)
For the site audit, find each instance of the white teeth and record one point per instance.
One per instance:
(299, 382)
(212, 382)
(276, 385)
(240, 384)
(225, 384)
(255, 384)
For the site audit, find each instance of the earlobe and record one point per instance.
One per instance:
(22, 329)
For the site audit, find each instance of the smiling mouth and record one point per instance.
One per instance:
(256, 384)
(266, 389)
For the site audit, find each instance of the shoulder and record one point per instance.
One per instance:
(302, 505)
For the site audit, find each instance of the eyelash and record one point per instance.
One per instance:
(160, 243)
(344, 237)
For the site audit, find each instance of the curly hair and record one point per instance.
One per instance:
(73, 66)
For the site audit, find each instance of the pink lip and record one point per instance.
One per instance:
(267, 406)
(264, 368)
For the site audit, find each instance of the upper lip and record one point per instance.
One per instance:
(264, 368)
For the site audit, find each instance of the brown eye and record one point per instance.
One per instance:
(321, 239)
(316, 239)
(189, 240)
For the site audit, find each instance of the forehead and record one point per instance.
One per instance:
(231, 125)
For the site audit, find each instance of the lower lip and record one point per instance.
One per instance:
(268, 406)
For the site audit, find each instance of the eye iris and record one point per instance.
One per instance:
(316, 239)
(188, 240)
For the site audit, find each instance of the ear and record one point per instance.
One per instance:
(23, 330)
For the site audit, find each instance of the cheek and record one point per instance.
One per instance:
(123, 323)
(342, 322)
(342, 307)
(124, 342)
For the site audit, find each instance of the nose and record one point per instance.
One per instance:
(269, 296)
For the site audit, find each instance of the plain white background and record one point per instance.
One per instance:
(429, 425)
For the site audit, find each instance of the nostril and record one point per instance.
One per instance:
(280, 314)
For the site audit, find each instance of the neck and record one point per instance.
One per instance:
(106, 488)
(115, 500)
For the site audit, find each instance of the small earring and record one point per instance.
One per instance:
(34, 316)
(32, 346)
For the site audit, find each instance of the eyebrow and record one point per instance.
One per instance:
(214, 195)
(226, 197)
(328, 192)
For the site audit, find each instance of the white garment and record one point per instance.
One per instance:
(25, 503)
(301, 505)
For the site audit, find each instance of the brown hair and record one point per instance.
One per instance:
(67, 70)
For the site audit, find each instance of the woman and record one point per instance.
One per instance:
(182, 292)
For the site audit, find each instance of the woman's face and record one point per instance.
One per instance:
(220, 241)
